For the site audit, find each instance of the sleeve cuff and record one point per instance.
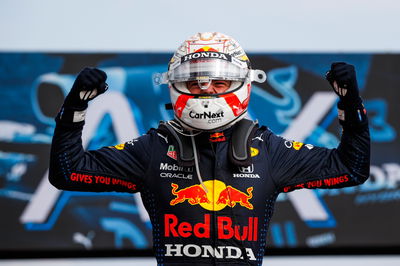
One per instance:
(354, 115)
(70, 114)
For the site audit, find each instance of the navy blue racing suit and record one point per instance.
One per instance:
(223, 221)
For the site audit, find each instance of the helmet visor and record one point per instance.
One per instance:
(206, 70)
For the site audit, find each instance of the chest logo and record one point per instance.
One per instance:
(246, 172)
(217, 197)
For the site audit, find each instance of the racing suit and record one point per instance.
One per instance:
(223, 221)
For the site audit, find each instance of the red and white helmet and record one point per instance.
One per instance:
(205, 57)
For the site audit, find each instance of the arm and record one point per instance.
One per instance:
(295, 165)
(120, 168)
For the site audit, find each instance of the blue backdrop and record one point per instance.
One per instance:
(32, 88)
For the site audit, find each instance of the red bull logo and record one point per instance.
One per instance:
(226, 228)
(193, 194)
(217, 197)
(206, 49)
(231, 196)
(297, 145)
(217, 137)
(119, 146)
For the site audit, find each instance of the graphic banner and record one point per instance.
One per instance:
(36, 216)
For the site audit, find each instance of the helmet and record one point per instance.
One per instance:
(205, 57)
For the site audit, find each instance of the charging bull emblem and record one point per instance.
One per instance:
(217, 197)
(194, 194)
(231, 196)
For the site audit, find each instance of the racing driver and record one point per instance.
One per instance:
(209, 178)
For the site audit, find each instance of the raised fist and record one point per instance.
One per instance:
(90, 83)
(342, 77)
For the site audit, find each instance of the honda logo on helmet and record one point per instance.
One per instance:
(206, 55)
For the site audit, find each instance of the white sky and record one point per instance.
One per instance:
(161, 25)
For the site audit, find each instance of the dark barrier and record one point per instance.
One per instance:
(35, 216)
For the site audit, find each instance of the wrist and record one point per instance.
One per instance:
(349, 101)
(71, 114)
(352, 114)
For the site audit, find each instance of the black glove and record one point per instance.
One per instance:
(342, 78)
(90, 83)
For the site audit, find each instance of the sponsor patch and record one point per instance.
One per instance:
(296, 145)
(227, 228)
(309, 146)
(206, 251)
(120, 146)
(175, 171)
(206, 54)
(254, 152)
(172, 152)
(246, 172)
(319, 183)
(206, 115)
(104, 180)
